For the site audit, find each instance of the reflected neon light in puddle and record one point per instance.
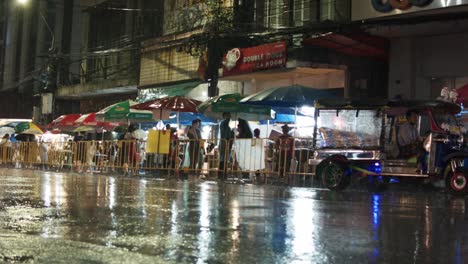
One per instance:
(303, 225)
(376, 210)
(111, 193)
(204, 235)
(46, 190)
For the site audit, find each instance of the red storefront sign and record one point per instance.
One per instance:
(268, 56)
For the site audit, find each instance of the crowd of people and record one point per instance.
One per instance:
(127, 154)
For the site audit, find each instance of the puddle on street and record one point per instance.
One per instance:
(56, 217)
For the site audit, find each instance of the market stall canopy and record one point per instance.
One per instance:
(122, 112)
(291, 96)
(216, 106)
(64, 122)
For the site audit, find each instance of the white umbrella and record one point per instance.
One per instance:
(6, 130)
(139, 134)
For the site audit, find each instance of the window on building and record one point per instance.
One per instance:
(293, 13)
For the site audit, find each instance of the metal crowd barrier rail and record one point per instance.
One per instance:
(259, 160)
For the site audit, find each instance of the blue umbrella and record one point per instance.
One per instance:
(185, 118)
(280, 118)
(291, 96)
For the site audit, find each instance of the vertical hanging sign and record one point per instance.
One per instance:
(47, 103)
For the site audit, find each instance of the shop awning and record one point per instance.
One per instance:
(151, 92)
(355, 44)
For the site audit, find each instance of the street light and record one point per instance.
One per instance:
(47, 94)
(52, 35)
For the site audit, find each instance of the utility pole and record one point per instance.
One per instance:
(223, 33)
(47, 92)
(215, 58)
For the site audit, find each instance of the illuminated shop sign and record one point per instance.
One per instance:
(268, 56)
(368, 9)
(388, 6)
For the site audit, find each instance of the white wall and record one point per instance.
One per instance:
(414, 62)
(225, 87)
(319, 81)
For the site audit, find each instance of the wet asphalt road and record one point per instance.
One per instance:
(71, 218)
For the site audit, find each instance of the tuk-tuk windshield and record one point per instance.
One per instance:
(349, 129)
(445, 119)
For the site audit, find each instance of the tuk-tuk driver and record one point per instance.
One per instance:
(408, 138)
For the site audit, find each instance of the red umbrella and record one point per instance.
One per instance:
(170, 103)
(90, 120)
(64, 122)
(463, 94)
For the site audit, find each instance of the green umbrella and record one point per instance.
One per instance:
(216, 106)
(122, 112)
(83, 129)
(28, 128)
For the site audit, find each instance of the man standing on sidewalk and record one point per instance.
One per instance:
(226, 136)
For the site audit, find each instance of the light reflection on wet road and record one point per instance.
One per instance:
(53, 217)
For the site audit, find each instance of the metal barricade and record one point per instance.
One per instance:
(284, 160)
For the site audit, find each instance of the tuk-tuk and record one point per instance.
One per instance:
(358, 138)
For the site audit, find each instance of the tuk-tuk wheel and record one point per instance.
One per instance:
(457, 183)
(335, 176)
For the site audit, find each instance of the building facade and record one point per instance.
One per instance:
(427, 44)
(105, 51)
(89, 51)
(108, 64)
(33, 37)
(317, 35)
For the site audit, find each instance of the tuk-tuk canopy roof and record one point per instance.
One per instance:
(437, 106)
(343, 103)
(391, 106)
